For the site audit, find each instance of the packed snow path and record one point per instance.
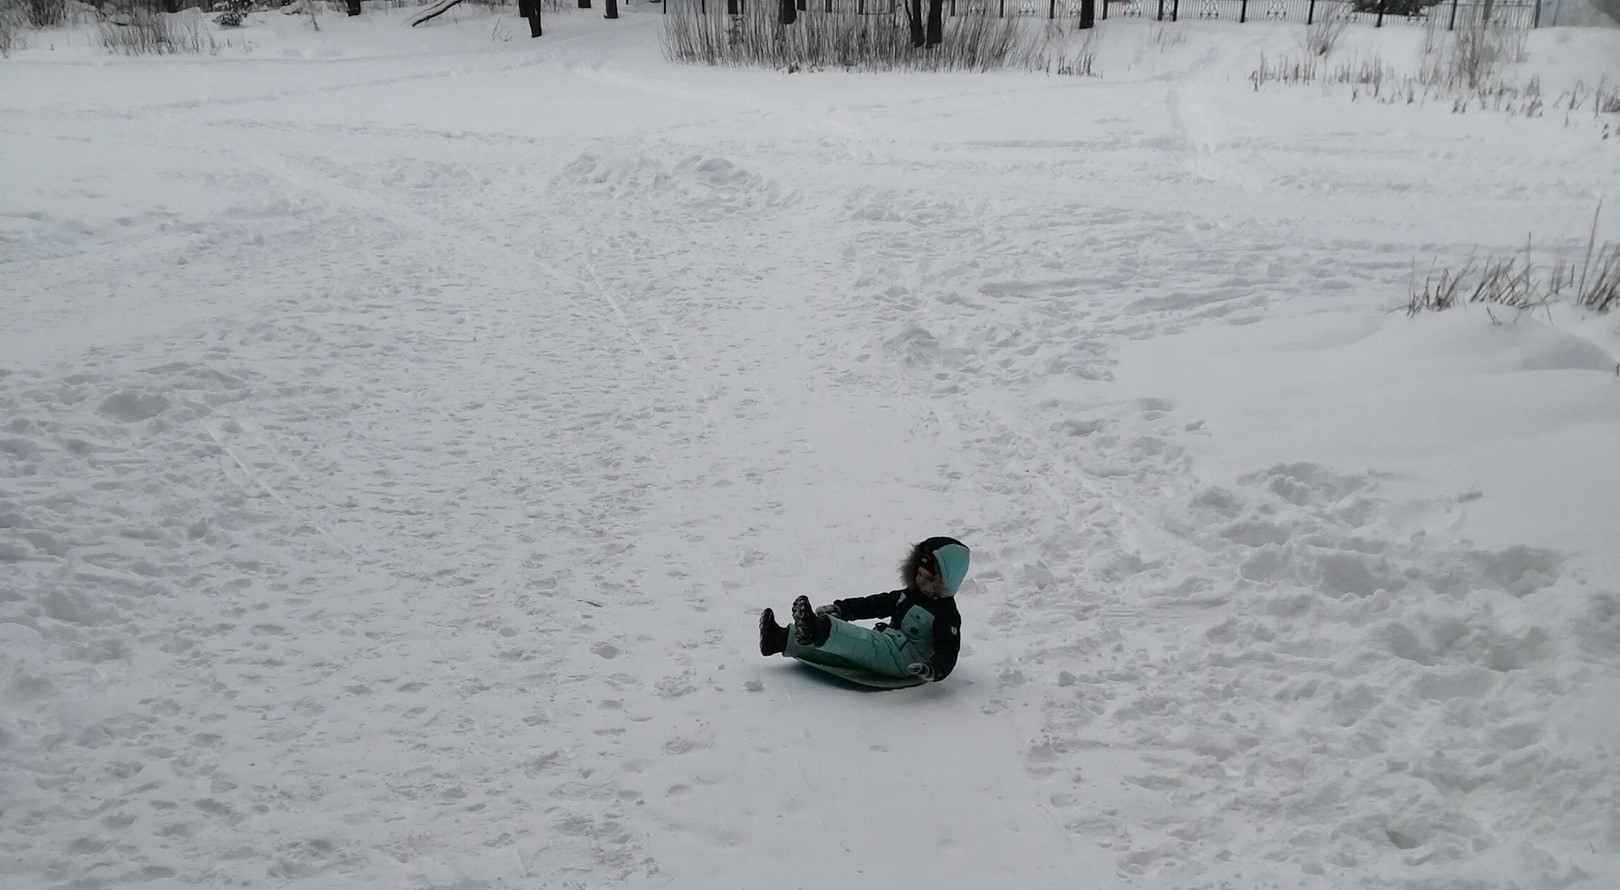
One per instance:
(398, 448)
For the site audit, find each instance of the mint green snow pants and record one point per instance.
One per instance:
(887, 652)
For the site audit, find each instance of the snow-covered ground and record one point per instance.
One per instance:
(400, 430)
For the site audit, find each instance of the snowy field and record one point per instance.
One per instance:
(401, 429)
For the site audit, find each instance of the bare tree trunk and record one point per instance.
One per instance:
(914, 19)
(936, 23)
(789, 12)
(530, 9)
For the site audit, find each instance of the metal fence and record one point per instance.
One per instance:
(1447, 14)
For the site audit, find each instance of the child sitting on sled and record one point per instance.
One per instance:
(920, 637)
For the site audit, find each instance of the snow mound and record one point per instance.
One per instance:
(702, 186)
(417, 174)
(915, 209)
(1479, 338)
(914, 345)
(40, 234)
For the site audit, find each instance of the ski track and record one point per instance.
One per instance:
(398, 431)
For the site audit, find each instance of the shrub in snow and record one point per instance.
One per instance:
(1464, 68)
(1471, 55)
(1607, 100)
(11, 21)
(1323, 34)
(1080, 64)
(1287, 70)
(545, 5)
(1604, 98)
(1500, 282)
(232, 12)
(881, 41)
(1395, 7)
(47, 13)
(1598, 286)
(144, 31)
(1515, 282)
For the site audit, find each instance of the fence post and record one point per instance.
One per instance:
(1161, 11)
(1175, 10)
(1105, 10)
(1310, 14)
(1001, 12)
(1051, 12)
(1535, 17)
(1243, 12)
(1380, 22)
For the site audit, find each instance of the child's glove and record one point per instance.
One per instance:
(829, 611)
(922, 670)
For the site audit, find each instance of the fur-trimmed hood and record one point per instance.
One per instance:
(945, 557)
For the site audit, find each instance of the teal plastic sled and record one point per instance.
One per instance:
(862, 677)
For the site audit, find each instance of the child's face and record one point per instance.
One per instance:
(929, 584)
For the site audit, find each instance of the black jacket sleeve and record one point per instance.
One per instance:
(878, 605)
(947, 638)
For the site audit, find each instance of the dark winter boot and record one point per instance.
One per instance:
(810, 629)
(772, 636)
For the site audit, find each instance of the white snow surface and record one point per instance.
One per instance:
(400, 431)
